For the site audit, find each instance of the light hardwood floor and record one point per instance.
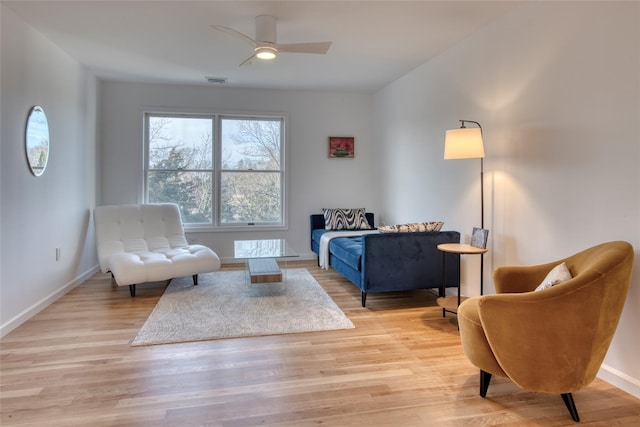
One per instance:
(402, 365)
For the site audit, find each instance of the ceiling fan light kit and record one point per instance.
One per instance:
(265, 52)
(265, 45)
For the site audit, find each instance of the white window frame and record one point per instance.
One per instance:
(216, 225)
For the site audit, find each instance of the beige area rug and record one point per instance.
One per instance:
(225, 305)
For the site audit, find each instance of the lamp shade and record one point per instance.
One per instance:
(463, 143)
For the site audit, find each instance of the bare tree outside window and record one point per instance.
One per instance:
(180, 168)
(250, 190)
(179, 165)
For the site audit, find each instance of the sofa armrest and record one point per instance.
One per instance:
(316, 222)
(407, 261)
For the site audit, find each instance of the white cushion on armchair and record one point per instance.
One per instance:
(146, 243)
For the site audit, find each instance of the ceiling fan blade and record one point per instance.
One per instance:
(248, 61)
(235, 33)
(314, 47)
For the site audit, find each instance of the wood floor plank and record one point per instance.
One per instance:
(402, 365)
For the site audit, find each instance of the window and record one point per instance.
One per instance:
(223, 171)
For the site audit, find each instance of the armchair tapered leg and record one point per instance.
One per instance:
(363, 298)
(571, 406)
(485, 379)
(195, 280)
(132, 290)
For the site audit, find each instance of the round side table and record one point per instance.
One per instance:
(451, 303)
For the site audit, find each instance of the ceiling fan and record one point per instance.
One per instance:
(265, 45)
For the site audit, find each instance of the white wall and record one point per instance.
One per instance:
(38, 215)
(315, 181)
(556, 87)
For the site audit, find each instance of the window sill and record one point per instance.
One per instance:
(232, 228)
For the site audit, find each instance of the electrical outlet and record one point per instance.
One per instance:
(58, 254)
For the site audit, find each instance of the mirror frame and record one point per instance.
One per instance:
(36, 140)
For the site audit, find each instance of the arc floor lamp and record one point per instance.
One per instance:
(467, 143)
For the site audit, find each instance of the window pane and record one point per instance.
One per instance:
(250, 197)
(220, 170)
(192, 191)
(251, 144)
(180, 143)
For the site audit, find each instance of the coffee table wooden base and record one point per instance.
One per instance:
(264, 270)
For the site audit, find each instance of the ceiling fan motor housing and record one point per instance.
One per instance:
(266, 29)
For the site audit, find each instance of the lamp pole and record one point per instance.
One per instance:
(481, 172)
(481, 202)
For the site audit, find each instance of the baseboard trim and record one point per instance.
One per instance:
(620, 380)
(36, 308)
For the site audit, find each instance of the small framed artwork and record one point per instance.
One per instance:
(479, 238)
(341, 146)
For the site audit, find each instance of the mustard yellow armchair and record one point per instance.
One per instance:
(553, 340)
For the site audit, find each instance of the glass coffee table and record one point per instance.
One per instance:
(261, 257)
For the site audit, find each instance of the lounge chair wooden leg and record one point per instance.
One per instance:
(571, 406)
(363, 298)
(132, 290)
(195, 280)
(485, 379)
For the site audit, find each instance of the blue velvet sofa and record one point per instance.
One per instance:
(385, 262)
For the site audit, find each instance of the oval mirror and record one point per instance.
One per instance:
(37, 140)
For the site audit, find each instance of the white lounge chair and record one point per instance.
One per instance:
(146, 243)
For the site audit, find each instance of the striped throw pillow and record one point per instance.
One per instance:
(345, 219)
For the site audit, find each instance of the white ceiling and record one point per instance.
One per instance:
(374, 42)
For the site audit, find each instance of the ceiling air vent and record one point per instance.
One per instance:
(217, 80)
